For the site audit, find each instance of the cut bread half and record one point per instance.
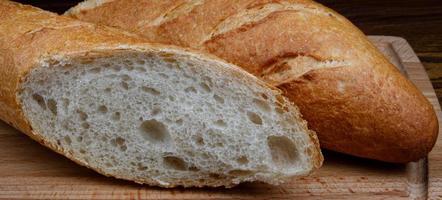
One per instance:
(167, 119)
(151, 114)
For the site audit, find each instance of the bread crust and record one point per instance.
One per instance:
(361, 105)
(29, 37)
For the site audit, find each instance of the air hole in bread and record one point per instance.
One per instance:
(220, 123)
(111, 76)
(84, 91)
(208, 81)
(124, 85)
(52, 105)
(218, 99)
(113, 159)
(154, 131)
(40, 82)
(82, 151)
(173, 65)
(239, 172)
(141, 167)
(193, 168)
(215, 176)
(95, 70)
(129, 67)
(126, 77)
(205, 87)
(108, 164)
(255, 118)
(128, 62)
(116, 68)
(189, 153)
(169, 60)
(264, 96)
(179, 121)
(120, 141)
(108, 90)
(141, 62)
(140, 69)
(102, 109)
(65, 103)
(173, 162)
(205, 156)
(150, 90)
(79, 139)
(190, 89)
(88, 141)
(243, 160)
(171, 98)
(163, 75)
(40, 100)
(85, 125)
(156, 111)
(262, 105)
(113, 142)
(283, 151)
(68, 140)
(116, 116)
(67, 126)
(199, 140)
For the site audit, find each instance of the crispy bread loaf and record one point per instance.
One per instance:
(355, 100)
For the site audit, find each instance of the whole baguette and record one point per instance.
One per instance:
(94, 95)
(351, 95)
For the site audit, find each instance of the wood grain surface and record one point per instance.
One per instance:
(30, 171)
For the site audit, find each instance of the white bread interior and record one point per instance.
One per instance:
(167, 119)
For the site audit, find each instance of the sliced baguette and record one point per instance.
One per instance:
(349, 93)
(151, 114)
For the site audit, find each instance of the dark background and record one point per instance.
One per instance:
(418, 21)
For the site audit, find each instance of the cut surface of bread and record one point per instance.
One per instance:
(351, 95)
(166, 119)
(152, 114)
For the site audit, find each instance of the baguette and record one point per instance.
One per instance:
(350, 94)
(152, 114)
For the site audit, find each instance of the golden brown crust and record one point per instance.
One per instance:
(364, 107)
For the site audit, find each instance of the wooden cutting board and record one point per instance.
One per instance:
(30, 171)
